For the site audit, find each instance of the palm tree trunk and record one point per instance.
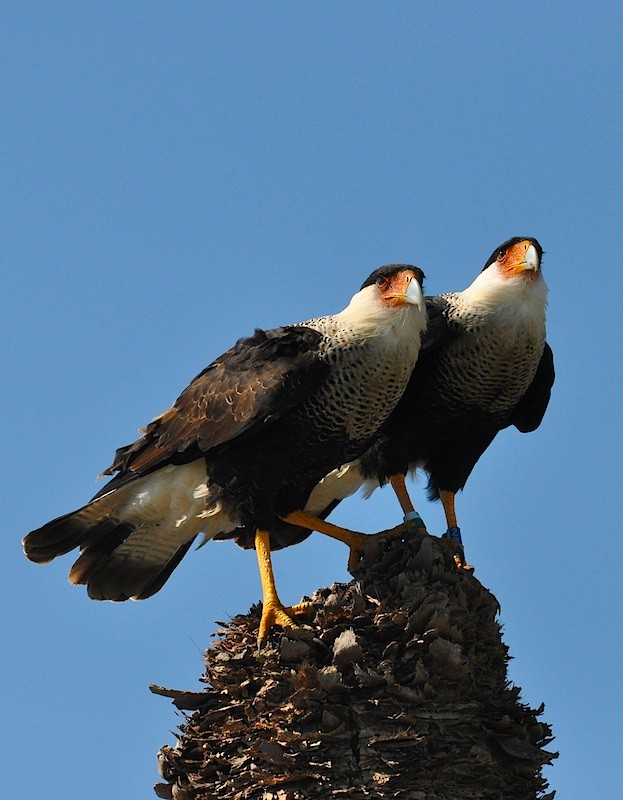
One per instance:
(397, 689)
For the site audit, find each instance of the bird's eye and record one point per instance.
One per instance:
(381, 282)
(501, 254)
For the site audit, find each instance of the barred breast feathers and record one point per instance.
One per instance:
(371, 345)
(504, 323)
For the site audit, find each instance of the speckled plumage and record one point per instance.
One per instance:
(493, 350)
(477, 366)
(246, 441)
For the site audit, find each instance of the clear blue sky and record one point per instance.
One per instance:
(176, 174)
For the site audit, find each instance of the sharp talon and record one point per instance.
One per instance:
(452, 537)
(276, 614)
(360, 546)
(461, 564)
(273, 614)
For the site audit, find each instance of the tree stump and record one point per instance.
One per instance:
(395, 688)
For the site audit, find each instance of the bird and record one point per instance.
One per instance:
(244, 445)
(484, 365)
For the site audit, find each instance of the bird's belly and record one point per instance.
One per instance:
(175, 498)
(338, 484)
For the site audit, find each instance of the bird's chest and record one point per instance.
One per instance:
(491, 368)
(366, 383)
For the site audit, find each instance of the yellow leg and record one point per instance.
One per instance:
(356, 541)
(447, 501)
(273, 611)
(399, 486)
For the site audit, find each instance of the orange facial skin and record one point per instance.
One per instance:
(395, 287)
(513, 262)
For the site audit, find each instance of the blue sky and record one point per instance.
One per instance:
(177, 174)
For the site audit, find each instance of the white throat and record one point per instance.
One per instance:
(367, 315)
(497, 294)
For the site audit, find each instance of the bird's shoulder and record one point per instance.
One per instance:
(441, 328)
(253, 383)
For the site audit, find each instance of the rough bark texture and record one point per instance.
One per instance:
(397, 689)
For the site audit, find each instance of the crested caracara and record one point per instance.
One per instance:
(244, 445)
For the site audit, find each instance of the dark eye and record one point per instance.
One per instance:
(381, 282)
(501, 254)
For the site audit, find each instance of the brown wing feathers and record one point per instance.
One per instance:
(258, 379)
(123, 556)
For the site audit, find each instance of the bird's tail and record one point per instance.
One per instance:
(128, 547)
(118, 560)
(82, 528)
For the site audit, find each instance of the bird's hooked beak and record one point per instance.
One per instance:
(521, 258)
(404, 289)
(531, 259)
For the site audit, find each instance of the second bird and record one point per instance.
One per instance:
(484, 365)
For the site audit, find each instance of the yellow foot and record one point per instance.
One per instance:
(362, 543)
(457, 554)
(463, 566)
(359, 543)
(452, 537)
(273, 613)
